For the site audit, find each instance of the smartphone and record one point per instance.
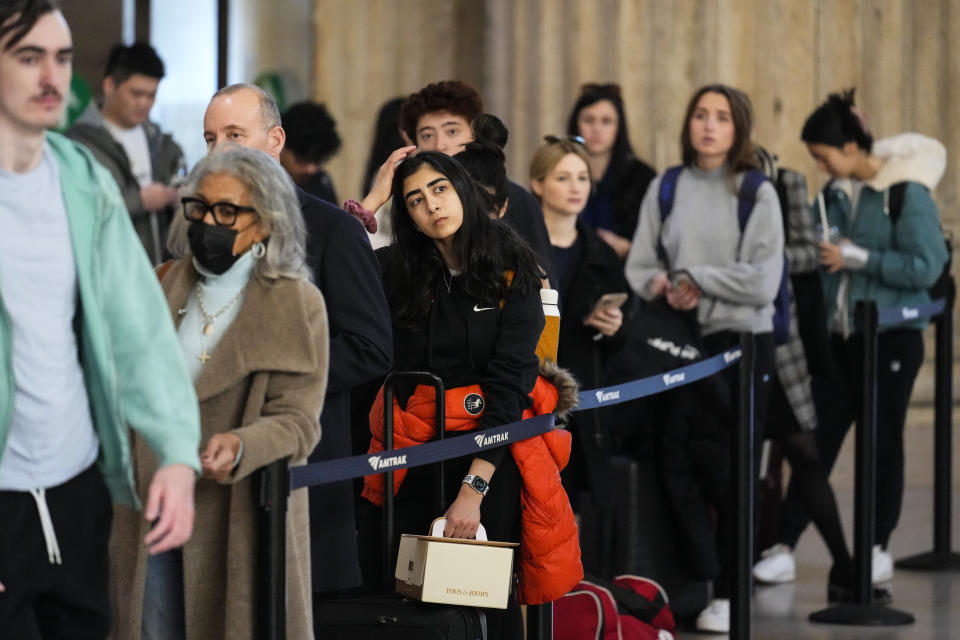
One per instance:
(608, 301)
(681, 278)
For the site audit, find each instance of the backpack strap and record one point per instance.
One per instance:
(747, 197)
(896, 194)
(665, 198)
(784, 197)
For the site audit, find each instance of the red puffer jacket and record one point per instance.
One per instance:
(549, 564)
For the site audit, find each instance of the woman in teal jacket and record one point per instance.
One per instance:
(871, 249)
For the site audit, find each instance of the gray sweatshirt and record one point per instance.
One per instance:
(738, 277)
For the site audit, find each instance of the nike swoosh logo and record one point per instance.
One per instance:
(477, 307)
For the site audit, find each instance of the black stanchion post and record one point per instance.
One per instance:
(540, 622)
(274, 482)
(388, 569)
(743, 485)
(863, 611)
(943, 445)
(865, 456)
(942, 558)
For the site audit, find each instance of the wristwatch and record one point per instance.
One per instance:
(477, 483)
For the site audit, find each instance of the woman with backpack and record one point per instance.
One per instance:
(792, 416)
(695, 247)
(620, 177)
(881, 241)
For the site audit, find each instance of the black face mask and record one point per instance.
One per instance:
(212, 246)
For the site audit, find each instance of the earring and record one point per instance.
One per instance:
(259, 250)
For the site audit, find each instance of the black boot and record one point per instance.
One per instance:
(840, 588)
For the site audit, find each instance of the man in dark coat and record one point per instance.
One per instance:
(361, 340)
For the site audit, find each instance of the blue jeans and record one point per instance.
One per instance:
(163, 610)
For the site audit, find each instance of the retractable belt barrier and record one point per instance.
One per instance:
(426, 453)
(431, 452)
(661, 382)
(892, 316)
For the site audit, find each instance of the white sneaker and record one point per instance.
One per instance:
(776, 565)
(882, 565)
(716, 617)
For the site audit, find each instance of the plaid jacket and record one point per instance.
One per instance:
(803, 255)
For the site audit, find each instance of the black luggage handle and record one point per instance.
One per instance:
(392, 379)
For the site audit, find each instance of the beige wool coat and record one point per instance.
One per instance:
(265, 382)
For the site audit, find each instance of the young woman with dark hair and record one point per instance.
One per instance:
(698, 259)
(427, 246)
(586, 269)
(463, 291)
(387, 136)
(874, 248)
(621, 178)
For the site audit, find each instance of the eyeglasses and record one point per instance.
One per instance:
(556, 139)
(224, 213)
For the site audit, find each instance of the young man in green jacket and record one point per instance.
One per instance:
(88, 351)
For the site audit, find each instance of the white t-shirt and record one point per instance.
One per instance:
(51, 436)
(134, 142)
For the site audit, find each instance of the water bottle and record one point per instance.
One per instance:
(550, 338)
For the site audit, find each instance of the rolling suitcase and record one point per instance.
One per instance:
(396, 618)
(644, 540)
(393, 617)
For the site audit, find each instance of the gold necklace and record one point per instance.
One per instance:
(208, 320)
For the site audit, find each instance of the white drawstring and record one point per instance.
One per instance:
(46, 523)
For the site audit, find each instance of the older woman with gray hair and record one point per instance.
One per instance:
(253, 330)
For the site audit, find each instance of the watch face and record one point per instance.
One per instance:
(479, 484)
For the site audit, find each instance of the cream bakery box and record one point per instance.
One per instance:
(474, 573)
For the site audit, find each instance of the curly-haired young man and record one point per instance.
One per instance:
(439, 118)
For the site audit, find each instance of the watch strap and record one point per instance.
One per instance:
(473, 480)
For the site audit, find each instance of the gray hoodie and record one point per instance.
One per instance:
(167, 163)
(738, 276)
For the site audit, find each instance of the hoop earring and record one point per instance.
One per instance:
(259, 250)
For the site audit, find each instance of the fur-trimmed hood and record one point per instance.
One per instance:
(909, 157)
(568, 390)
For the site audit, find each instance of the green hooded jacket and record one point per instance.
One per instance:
(129, 352)
(904, 259)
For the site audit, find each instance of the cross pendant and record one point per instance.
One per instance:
(203, 357)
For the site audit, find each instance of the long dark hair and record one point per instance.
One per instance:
(591, 94)
(837, 122)
(386, 138)
(486, 249)
(740, 156)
